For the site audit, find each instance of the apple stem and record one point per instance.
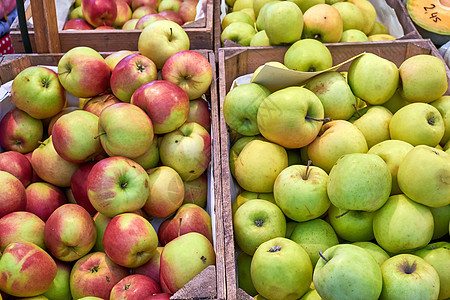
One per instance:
(356, 109)
(307, 169)
(171, 33)
(97, 136)
(179, 227)
(318, 120)
(343, 214)
(321, 255)
(40, 143)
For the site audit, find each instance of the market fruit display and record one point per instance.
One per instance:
(361, 186)
(91, 185)
(273, 22)
(128, 15)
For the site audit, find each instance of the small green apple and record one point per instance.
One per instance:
(373, 121)
(441, 217)
(244, 262)
(238, 32)
(376, 251)
(260, 39)
(353, 36)
(352, 16)
(351, 225)
(283, 23)
(308, 55)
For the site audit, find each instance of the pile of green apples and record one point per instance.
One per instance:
(270, 23)
(344, 183)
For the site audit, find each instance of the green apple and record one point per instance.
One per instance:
(290, 117)
(237, 147)
(236, 16)
(308, 55)
(260, 39)
(407, 276)
(311, 295)
(322, 22)
(240, 107)
(395, 102)
(372, 78)
(258, 4)
(441, 217)
(238, 32)
(304, 5)
(290, 226)
(373, 121)
(443, 106)
(301, 192)
(241, 4)
(392, 152)
(259, 164)
(314, 236)
(353, 36)
(418, 124)
(341, 136)
(60, 287)
(283, 23)
(335, 94)
(424, 78)
(256, 222)
(376, 251)
(260, 16)
(359, 181)
(281, 269)
(347, 271)
(438, 255)
(378, 28)
(351, 225)
(380, 37)
(352, 16)
(247, 196)
(294, 157)
(423, 176)
(244, 262)
(402, 225)
(369, 14)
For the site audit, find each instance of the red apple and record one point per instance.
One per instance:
(79, 186)
(51, 167)
(95, 275)
(83, 72)
(130, 73)
(104, 27)
(161, 296)
(199, 112)
(190, 70)
(74, 136)
(117, 185)
(138, 3)
(34, 176)
(98, 13)
(188, 10)
(151, 268)
(21, 226)
(125, 130)
(134, 287)
(187, 150)
(147, 20)
(96, 104)
(184, 258)
(69, 232)
(165, 102)
(37, 91)
(172, 16)
(18, 165)
(130, 240)
(12, 197)
(142, 11)
(20, 132)
(77, 24)
(113, 59)
(123, 13)
(64, 111)
(196, 191)
(43, 199)
(26, 270)
(166, 192)
(189, 218)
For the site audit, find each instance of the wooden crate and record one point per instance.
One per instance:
(410, 31)
(235, 62)
(210, 283)
(200, 33)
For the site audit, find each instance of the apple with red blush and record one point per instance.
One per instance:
(134, 287)
(148, 19)
(12, 197)
(77, 24)
(151, 268)
(188, 10)
(200, 113)
(43, 199)
(172, 16)
(79, 186)
(99, 13)
(18, 165)
(96, 104)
